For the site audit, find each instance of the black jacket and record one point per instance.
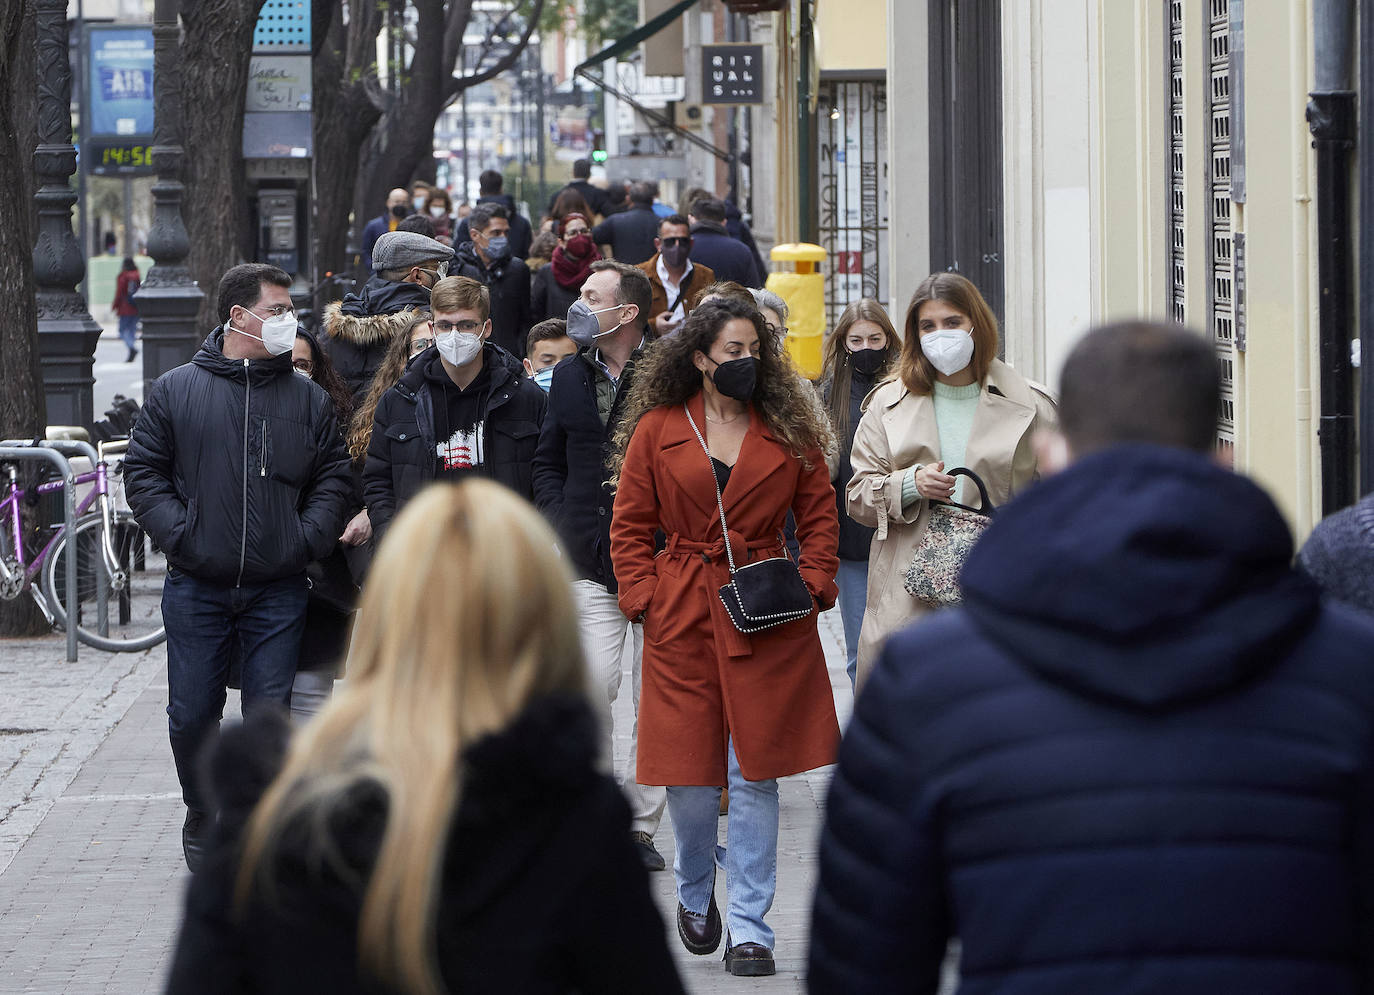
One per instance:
(855, 539)
(401, 455)
(630, 234)
(594, 196)
(549, 298)
(359, 330)
(1140, 758)
(521, 234)
(509, 286)
(236, 468)
(739, 229)
(727, 258)
(570, 468)
(541, 890)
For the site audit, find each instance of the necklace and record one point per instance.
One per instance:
(722, 421)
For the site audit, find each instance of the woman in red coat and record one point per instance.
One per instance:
(719, 707)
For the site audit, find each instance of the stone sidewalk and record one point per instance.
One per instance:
(91, 873)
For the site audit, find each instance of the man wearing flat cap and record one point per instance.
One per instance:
(358, 330)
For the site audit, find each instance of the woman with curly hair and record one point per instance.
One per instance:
(716, 405)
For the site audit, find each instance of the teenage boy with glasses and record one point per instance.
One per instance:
(464, 407)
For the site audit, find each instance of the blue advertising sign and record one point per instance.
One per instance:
(121, 82)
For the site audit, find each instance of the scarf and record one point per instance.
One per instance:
(571, 273)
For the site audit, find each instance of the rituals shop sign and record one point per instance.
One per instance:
(732, 74)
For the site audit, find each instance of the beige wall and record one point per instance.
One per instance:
(851, 34)
(1275, 379)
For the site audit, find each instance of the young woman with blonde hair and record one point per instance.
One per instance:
(952, 404)
(440, 826)
(859, 353)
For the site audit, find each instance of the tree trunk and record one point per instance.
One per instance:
(344, 79)
(216, 46)
(22, 413)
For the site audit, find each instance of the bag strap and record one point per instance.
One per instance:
(720, 500)
(988, 507)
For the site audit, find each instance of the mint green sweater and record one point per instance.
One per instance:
(954, 409)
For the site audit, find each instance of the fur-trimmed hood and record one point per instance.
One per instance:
(364, 330)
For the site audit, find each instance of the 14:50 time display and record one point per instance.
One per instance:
(126, 158)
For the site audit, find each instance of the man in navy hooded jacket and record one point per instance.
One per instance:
(1138, 758)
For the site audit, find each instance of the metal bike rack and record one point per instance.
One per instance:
(19, 449)
(77, 447)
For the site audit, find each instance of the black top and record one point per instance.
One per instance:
(539, 857)
(855, 539)
(722, 472)
(457, 420)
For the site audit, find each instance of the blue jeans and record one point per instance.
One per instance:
(203, 621)
(750, 861)
(128, 328)
(853, 582)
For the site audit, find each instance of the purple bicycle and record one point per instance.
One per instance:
(119, 600)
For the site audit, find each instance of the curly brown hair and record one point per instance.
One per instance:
(666, 376)
(387, 376)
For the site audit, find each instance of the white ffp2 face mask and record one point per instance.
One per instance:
(278, 334)
(948, 349)
(459, 348)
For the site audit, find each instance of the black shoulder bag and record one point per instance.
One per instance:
(763, 594)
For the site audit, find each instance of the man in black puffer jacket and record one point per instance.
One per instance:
(237, 471)
(463, 406)
(1140, 757)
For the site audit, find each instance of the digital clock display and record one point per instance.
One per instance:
(120, 158)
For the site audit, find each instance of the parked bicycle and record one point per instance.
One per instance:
(118, 601)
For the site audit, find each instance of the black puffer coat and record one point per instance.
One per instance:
(236, 468)
(541, 889)
(359, 330)
(402, 456)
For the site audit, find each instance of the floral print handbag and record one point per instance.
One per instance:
(953, 528)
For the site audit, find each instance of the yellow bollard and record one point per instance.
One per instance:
(803, 288)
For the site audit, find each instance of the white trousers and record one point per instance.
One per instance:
(604, 630)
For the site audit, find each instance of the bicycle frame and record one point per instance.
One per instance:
(10, 508)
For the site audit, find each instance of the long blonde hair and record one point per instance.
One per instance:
(466, 618)
(388, 374)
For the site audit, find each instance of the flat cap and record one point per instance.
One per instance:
(403, 249)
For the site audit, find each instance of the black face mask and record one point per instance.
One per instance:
(399, 211)
(736, 378)
(867, 362)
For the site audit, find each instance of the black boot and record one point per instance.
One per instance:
(195, 833)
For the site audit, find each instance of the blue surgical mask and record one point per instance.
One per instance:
(498, 248)
(544, 378)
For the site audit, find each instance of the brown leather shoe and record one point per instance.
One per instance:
(749, 960)
(699, 934)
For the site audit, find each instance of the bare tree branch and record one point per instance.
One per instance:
(457, 84)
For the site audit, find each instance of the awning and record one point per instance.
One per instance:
(648, 29)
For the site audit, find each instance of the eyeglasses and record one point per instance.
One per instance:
(777, 330)
(304, 365)
(279, 310)
(674, 242)
(418, 346)
(460, 326)
(574, 232)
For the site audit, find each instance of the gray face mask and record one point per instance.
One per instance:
(583, 326)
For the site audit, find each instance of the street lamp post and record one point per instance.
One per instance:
(67, 334)
(169, 300)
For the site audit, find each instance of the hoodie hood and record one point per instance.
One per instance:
(1144, 575)
(380, 296)
(366, 330)
(210, 356)
(500, 365)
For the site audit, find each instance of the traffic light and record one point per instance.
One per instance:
(598, 145)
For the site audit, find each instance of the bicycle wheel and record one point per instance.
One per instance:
(132, 619)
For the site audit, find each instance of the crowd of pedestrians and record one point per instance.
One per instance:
(1107, 735)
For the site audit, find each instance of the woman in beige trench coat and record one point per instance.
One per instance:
(952, 403)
